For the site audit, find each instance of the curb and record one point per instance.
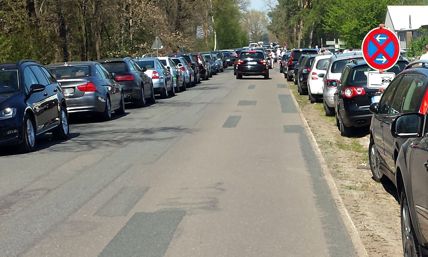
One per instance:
(346, 218)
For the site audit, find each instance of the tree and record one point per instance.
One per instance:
(256, 24)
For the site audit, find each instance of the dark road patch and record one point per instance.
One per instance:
(247, 103)
(252, 87)
(287, 104)
(293, 129)
(145, 235)
(122, 202)
(232, 121)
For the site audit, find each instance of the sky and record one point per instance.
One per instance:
(259, 5)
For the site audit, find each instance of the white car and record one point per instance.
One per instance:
(316, 77)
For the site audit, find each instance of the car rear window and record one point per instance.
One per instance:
(297, 54)
(254, 55)
(71, 72)
(8, 81)
(163, 62)
(309, 62)
(358, 75)
(176, 61)
(322, 64)
(116, 67)
(148, 64)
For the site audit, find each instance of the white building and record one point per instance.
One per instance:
(404, 20)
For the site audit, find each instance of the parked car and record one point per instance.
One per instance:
(208, 65)
(332, 78)
(89, 88)
(193, 65)
(303, 73)
(161, 77)
(283, 62)
(252, 63)
(31, 104)
(177, 76)
(411, 177)
(405, 94)
(184, 67)
(316, 77)
(353, 97)
(296, 69)
(136, 85)
(220, 59)
(294, 57)
(213, 64)
(230, 57)
(203, 69)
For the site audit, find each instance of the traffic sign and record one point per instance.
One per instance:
(381, 48)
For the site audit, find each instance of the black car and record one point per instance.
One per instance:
(411, 177)
(252, 63)
(303, 73)
(203, 67)
(292, 61)
(89, 88)
(405, 94)
(283, 63)
(353, 97)
(31, 103)
(136, 85)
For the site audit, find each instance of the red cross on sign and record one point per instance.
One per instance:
(381, 48)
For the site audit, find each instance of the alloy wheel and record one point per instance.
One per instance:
(409, 242)
(31, 136)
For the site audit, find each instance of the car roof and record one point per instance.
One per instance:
(72, 63)
(116, 59)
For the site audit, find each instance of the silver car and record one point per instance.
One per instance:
(186, 70)
(332, 78)
(89, 88)
(161, 77)
(177, 76)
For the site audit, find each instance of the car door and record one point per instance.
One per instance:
(36, 100)
(141, 75)
(111, 88)
(116, 88)
(405, 100)
(418, 171)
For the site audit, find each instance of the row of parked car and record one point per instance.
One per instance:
(395, 117)
(35, 99)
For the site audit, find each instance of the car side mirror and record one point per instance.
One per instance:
(407, 125)
(112, 75)
(37, 88)
(144, 69)
(321, 75)
(168, 68)
(374, 108)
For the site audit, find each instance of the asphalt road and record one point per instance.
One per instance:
(224, 169)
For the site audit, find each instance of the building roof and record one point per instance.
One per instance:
(406, 17)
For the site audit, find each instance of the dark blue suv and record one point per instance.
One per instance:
(31, 103)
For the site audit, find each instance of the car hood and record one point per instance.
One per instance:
(7, 97)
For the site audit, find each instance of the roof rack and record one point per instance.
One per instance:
(417, 64)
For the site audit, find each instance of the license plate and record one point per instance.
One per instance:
(376, 98)
(68, 91)
(252, 63)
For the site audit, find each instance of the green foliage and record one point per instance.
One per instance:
(417, 47)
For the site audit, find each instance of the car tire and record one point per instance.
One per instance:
(410, 242)
(121, 109)
(238, 76)
(62, 132)
(311, 98)
(299, 88)
(344, 130)
(171, 93)
(28, 135)
(328, 110)
(142, 101)
(281, 70)
(266, 75)
(106, 115)
(289, 78)
(374, 162)
(183, 86)
(152, 97)
(164, 92)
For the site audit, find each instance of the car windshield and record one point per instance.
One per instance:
(309, 62)
(176, 61)
(68, 72)
(149, 64)
(254, 55)
(9, 82)
(116, 67)
(207, 56)
(358, 75)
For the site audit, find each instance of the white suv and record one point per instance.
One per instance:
(316, 77)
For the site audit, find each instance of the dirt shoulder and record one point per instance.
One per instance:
(374, 211)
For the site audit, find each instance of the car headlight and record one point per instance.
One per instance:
(7, 113)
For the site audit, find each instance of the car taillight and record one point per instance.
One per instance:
(424, 105)
(240, 62)
(314, 75)
(290, 61)
(262, 62)
(88, 87)
(331, 82)
(126, 77)
(351, 91)
(182, 69)
(155, 75)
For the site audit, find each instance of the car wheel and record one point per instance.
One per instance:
(107, 110)
(238, 76)
(310, 96)
(121, 109)
(328, 111)
(344, 130)
(172, 91)
(183, 87)
(28, 135)
(142, 101)
(62, 132)
(280, 69)
(299, 88)
(374, 162)
(152, 97)
(164, 93)
(266, 75)
(410, 242)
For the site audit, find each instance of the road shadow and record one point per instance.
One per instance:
(90, 118)
(390, 188)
